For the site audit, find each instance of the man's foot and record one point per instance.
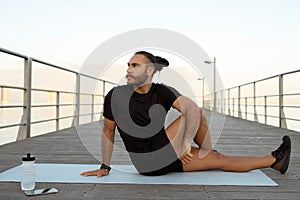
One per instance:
(282, 155)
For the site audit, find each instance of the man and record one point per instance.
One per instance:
(139, 109)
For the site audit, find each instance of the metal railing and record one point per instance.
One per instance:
(232, 102)
(26, 121)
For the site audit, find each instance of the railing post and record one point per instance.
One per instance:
(246, 106)
(103, 97)
(239, 102)
(282, 122)
(228, 102)
(77, 101)
(57, 110)
(222, 102)
(215, 93)
(93, 103)
(232, 106)
(266, 110)
(25, 131)
(254, 102)
(216, 102)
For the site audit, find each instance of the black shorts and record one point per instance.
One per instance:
(176, 166)
(153, 156)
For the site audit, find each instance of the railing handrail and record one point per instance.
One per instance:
(13, 53)
(49, 90)
(260, 80)
(231, 101)
(12, 87)
(27, 89)
(52, 65)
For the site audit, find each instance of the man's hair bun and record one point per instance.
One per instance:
(158, 61)
(161, 62)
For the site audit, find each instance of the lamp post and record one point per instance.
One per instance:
(202, 79)
(214, 62)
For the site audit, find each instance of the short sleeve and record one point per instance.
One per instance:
(170, 95)
(107, 111)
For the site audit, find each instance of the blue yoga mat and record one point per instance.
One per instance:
(127, 174)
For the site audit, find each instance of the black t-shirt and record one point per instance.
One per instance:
(140, 121)
(140, 131)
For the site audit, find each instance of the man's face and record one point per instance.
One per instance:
(138, 72)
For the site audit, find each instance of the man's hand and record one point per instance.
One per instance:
(98, 172)
(186, 156)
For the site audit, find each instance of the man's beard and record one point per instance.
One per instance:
(139, 80)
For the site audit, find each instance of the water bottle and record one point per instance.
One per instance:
(28, 173)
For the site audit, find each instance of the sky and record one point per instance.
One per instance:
(250, 39)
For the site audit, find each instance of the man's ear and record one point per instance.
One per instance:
(151, 70)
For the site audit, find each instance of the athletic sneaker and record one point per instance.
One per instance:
(282, 155)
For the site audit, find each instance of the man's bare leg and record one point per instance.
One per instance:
(211, 159)
(202, 137)
(216, 160)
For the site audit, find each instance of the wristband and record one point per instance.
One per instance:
(104, 166)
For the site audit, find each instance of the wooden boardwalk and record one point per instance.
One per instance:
(239, 137)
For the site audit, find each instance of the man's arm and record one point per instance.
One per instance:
(108, 135)
(191, 120)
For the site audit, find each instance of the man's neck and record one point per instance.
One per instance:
(144, 89)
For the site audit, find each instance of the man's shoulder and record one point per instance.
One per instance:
(160, 85)
(120, 87)
(165, 89)
(120, 90)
